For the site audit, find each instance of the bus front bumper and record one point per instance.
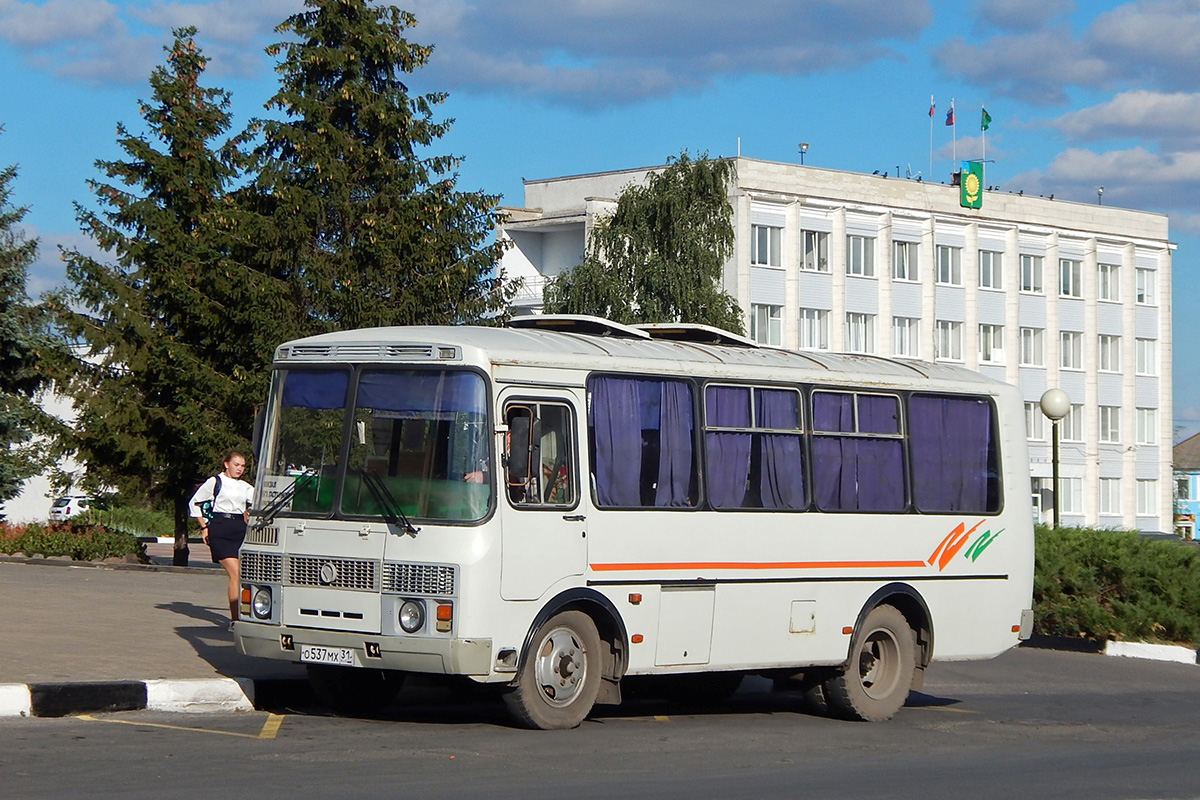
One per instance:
(431, 655)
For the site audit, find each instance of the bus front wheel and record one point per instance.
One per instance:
(560, 678)
(875, 683)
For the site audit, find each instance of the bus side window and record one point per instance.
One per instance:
(539, 462)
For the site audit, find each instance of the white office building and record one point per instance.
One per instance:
(1035, 291)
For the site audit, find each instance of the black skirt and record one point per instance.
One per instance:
(225, 536)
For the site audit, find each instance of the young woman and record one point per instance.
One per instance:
(230, 512)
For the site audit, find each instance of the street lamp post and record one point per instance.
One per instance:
(803, 150)
(1055, 405)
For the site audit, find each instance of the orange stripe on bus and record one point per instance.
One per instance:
(700, 565)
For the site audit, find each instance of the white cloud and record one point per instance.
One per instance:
(28, 25)
(1168, 118)
(1132, 178)
(603, 52)
(1021, 15)
(1142, 43)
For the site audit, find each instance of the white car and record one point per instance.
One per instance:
(68, 506)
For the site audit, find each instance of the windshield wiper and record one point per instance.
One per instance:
(267, 515)
(392, 511)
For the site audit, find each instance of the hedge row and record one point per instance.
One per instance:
(77, 539)
(1116, 585)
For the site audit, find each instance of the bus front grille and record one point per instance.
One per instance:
(261, 567)
(335, 573)
(437, 579)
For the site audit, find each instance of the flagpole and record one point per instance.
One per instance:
(983, 133)
(931, 107)
(953, 134)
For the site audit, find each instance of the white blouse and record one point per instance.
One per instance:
(234, 498)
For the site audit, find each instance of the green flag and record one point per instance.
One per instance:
(971, 185)
(985, 119)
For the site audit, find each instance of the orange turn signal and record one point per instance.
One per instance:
(636, 638)
(445, 612)
(246, 595)
(635, 598)
(847, 630)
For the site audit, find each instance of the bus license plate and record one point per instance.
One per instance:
(315, 654)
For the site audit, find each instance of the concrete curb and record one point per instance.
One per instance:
(1154, 652)
(190, 696)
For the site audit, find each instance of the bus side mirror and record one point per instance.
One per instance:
(523, 438)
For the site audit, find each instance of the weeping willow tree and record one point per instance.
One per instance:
(658, 257)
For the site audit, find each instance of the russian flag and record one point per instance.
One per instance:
(950, 116)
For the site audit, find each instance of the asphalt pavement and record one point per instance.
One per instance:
(79, 638)
(76, 638)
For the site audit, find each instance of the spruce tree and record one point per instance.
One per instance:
(26, 351)
(361, 218)
(176, 334)
(658, 257)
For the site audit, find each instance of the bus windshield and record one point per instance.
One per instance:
(413, 441)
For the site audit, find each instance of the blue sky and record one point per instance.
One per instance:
(1081, 94)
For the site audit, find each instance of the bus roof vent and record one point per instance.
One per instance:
(697, 334)
(577, 323)
(358, 352)
(310, 351)
(412, 351)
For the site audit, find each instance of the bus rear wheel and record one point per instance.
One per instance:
(875, 683)
(560, 678)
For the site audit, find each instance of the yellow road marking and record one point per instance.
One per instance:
(269, 729)
(944, 708)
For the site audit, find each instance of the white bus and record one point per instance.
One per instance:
(553, 506)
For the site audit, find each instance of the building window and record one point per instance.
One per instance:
(764, 245)
(1109, 353)
(1071, 501)
(1109, 287)
(949, 340)
(814, 329)
(1147, 425)
(904, 261)
(766, 324)
(1033, 348)
(1110, 424)
(1031, 274)
(816, 251)
(1147, 287)
(860, 256)
(1035, 422)
(991, 344)
(1070, 427)
(1070, 277)
(949, 265)
(1070, 351)
(860, 333)
(1147, 356)
(1183, 488)
(1147, 497)
(906, 336)
(990, 272)
(1110, 495)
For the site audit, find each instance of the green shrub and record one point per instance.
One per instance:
(76, 539)
(134, 520)
(1100, 584)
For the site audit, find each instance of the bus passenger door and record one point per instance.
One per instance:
(543, 525)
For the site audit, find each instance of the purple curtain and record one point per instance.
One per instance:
(675, 445)
(422, 392)
(727, 457)
(853, 473)
(782, 479)
(617, 435)
(951, 440)
(323, 389)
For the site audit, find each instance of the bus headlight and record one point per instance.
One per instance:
(261, 602)
(411, 615)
